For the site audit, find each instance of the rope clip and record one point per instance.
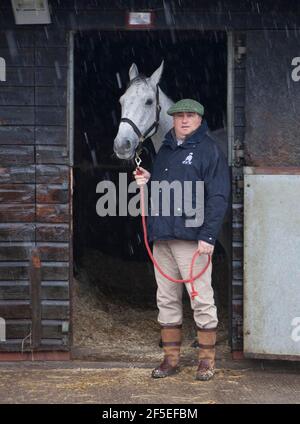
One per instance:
(138, 160)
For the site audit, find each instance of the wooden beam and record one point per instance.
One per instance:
(35, 292)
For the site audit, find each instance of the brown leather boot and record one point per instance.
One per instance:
(207, 341)
(171, 342)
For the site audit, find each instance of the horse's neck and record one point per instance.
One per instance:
(165, 120)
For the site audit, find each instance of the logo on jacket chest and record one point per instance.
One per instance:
(188, 159)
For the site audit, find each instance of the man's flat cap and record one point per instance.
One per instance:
(186, 105)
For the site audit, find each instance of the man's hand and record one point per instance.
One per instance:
(205, 248)
(142, 176)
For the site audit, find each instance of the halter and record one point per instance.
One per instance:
(143, 137)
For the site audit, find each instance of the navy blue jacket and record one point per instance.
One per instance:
(197, 159)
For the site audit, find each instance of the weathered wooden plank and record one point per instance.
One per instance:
(239, 116)
(55, 290)
(16, 135)
(17, 213)
(17, 38)
(18, 57)
(237, 270)
(14, 290)
(237, 308)
(273, 125)
(51, 329)
(15, 251)
(35, 295)
(50, 115)
(239, 77)
(11, 351)
(237, 213)
(17, 232)
(16, 155)
(52, 232)
(17, 193)
(17, 174)
(51, 193)
(13, 271)
(237, 232)
(273, 170)
(15, 309)
(51, 38)
(20, 290)
(17, 329)
(52, 155)
(239, 133)
(52, 271)
(52, 213)
(239, 97)
(18, 77)
(10, 96)
(53, 251)
(54, 344)
(16, 115)
(237, 251)
(49, 155)
(85, 5)
(54, 332)
(51, 135)
(237, 290)
(50, 96)
(51, 56)
(55, 310)
(57, 174)
(51, 77)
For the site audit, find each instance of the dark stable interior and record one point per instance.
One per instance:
(195, 66)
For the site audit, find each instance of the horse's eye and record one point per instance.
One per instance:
(149, 102)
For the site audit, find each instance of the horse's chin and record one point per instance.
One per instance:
(128, 156)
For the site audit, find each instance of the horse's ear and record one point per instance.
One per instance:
(133, 71)
(156, 76)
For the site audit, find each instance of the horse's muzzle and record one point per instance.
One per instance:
(124, 149)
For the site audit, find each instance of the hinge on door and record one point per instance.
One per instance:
(239, 50)
(238, 154)
(65, 152)
(238, 187)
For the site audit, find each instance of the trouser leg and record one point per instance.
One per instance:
(169, 294)
(205, 311)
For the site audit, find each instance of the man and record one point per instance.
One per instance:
(187, 154)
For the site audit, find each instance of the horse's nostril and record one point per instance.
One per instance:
(127, 144)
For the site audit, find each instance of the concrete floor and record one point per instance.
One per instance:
(246, 381)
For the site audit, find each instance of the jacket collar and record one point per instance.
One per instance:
(195, 137)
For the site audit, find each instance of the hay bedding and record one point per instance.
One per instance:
(118, 318)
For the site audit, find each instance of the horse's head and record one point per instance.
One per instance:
(139, 112)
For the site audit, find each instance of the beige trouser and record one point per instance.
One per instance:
(174, 257)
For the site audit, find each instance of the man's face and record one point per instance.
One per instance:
(185, 123)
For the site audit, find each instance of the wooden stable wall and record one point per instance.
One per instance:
(34, 190)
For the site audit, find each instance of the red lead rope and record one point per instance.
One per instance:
(192, 277)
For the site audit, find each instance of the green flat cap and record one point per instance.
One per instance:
(186, 105)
